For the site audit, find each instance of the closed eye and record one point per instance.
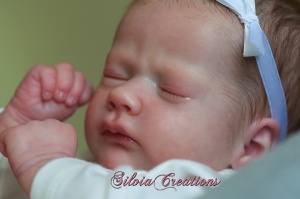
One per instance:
(112, 80)
(171, 95)
(113, 77)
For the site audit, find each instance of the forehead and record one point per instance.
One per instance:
(198, 34)
(189, 5)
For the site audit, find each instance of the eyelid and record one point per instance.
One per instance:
(172, 94)
(113, 75)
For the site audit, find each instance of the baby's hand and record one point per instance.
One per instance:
(31, 145)
(48, 92)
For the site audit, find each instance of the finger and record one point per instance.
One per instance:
(86, 95)
(2, 150)
(48, 78)
(65, 78)
(2, 143)
(77, 90)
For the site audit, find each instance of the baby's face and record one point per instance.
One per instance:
(160, 96)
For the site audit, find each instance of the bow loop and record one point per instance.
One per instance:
(245, 9)
(249, 18)
(253, 40)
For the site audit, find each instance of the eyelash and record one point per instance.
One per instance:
(111, 81)
(112, 78)
(172, 95)
(115, 77)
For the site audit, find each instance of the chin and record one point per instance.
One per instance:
(112, 162)
(115, 163)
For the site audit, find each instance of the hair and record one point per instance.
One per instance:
(280, 20)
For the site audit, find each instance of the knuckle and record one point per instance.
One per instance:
(40, 67)
(49, 73)
(80, 75)
(65, 66)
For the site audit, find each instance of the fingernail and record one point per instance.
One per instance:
(71, 100)
(47, 96)
(60, 95)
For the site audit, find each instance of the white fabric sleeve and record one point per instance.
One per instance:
(73, 178)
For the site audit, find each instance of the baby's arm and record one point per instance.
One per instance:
(47, 92)
(31, 145)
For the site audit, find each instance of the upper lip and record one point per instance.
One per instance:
(114, 128)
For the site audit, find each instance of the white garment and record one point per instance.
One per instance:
(73, 178)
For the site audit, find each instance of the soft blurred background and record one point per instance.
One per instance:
(75, 31)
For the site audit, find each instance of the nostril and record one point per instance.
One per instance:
(127, 108)
(111, 105)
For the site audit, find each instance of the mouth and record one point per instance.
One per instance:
(116, 134)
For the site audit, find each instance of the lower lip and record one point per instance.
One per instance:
(118, 138)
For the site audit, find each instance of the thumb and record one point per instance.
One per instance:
(2, 144)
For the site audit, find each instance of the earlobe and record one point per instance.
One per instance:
(259, 139)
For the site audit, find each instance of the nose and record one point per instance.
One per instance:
(124, 98)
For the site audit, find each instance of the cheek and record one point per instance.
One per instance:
(192, 135)
(171, 133)
(95, 110)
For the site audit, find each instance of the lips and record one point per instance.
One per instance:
(116, 134)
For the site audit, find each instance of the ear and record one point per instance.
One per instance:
(260, 137)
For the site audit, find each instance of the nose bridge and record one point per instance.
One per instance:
(126, 97)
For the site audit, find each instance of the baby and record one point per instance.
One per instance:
(175, 86)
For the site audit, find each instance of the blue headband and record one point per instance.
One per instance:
(256, 44)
